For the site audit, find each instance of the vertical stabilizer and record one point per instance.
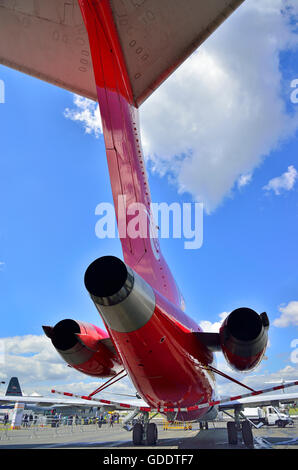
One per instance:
(14, 388)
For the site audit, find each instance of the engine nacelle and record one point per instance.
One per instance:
(243, 338)
(85, 347)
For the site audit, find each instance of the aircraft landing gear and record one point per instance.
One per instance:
(145, 433)
(240, 430)
(204, 425)
(247, 435)
(137, 434)
(232, 433)
(151, 438)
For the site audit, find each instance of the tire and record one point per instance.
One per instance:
(137, 434)
(151, 434)
(247, 435)
(232, 433)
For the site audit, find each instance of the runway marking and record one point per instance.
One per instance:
(291, 441)
(262, 443)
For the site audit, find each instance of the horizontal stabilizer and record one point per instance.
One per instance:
(48, 39)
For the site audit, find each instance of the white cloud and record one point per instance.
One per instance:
(39, 368)
(210, 327)
(244, 180)
(289, 315)
(258, 380)
(33, 359)
(84, 388)
(222, 112)
(285, 182)
(87, 112)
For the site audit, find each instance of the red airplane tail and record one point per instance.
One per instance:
(120, 121)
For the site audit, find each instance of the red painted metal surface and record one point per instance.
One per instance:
(123, 146)
(243, 363)
(103, 362)
(164, 360)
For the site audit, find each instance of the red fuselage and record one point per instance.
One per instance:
(165, 361)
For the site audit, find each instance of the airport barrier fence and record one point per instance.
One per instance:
(52, 426)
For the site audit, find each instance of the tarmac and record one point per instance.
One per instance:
(91, 436)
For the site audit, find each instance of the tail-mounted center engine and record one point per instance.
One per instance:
(242, 338)
(85, 347)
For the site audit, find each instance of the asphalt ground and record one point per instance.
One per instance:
(90, 436)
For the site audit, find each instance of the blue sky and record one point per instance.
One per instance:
(53, 175)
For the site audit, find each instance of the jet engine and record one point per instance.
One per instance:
(243, 338)
(85, 347)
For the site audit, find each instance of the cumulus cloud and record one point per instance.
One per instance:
(210, 327)
(289, 315)
(285, 182)
(222, 112)
(39, 368)
(33, 359)
(87, 113)
(123, 388)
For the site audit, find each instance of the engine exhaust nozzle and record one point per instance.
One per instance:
(108, 280)
(244, 337)
(124, 300)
